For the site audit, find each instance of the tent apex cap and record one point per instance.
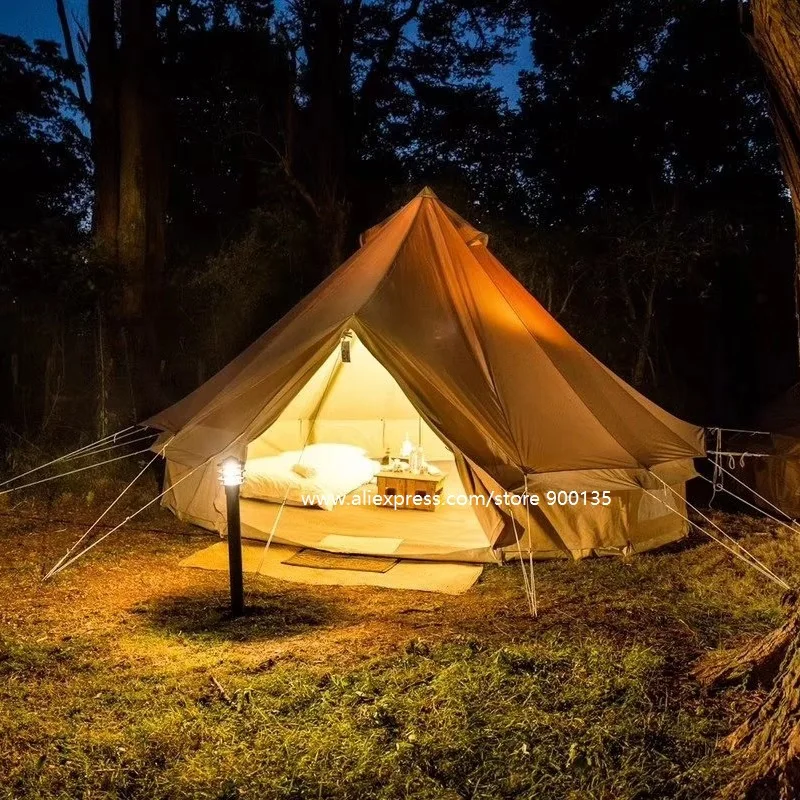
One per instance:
(428, 192)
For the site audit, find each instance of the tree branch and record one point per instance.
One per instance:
(387, 49)
(70, 49)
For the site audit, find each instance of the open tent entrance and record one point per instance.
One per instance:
(352, 399)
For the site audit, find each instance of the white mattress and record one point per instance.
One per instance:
(338, 470)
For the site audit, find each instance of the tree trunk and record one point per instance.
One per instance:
(328, 40)
(141, 200)
(102, 60)
(756, 665)
(776, 39)
(130, 188)
(767, 743)
(70, 51)
(646, 333)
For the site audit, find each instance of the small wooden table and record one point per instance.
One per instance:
(409, 486)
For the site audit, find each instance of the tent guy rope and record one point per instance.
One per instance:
(108, 508)
(748, 558)
(106, 449)
(534, 600)
(73, 454)
(753, 506)
(766, 573)
(127, 519)
(73, 471)
(759, 496)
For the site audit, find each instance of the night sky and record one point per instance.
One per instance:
(37, 19)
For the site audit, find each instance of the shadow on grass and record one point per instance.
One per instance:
(267, 616)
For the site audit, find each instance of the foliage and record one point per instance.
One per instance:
(43, 170)
(47, 284)
(239, 286)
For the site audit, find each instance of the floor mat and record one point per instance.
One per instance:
(422, 576)
(323, 560)
(378, 546)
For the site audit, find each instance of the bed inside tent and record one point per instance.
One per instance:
(353, 400)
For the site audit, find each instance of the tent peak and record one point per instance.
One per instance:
(428, 192)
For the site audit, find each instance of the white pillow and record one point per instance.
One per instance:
(305, 470)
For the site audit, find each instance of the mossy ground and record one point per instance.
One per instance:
(124, 677)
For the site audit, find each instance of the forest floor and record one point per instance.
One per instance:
(124, 678)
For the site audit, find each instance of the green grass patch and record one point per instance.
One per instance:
(555, 718)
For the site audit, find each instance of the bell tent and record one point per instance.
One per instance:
(423, 333)
(773, 471)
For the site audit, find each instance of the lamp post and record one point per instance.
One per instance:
(232, 475)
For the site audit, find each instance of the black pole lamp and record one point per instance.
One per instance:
(232, 475)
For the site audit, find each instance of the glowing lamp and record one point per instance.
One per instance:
(231, 472)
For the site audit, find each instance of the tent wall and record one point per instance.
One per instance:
(634, 522)
(197, 497)
(778, 478)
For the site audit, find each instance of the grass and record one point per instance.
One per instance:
(125, 678)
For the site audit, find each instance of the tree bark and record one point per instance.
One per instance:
(775, 37)
(141, 201)
(767, 743)
(102, 60)
(756, 665)
(776, 41)
(130, 186)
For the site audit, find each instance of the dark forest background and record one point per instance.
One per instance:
(217, 158)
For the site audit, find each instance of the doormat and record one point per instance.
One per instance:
(319, 559)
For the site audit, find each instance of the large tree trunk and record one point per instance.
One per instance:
(776, 39)
(766, 745)
(141, 212)
(130, 183)
(142, 198)
(104, 118)
(327, 34)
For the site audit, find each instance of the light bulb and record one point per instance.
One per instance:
(231, 472)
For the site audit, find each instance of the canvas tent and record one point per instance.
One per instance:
(448, 345)
(776, 477)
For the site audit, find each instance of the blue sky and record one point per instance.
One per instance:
(37, 19)
(34, 19)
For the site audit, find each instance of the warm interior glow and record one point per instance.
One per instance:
(356, 403)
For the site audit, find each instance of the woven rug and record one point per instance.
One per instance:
(425, 576)
(322, 560)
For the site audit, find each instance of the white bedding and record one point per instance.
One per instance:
(336, 470)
